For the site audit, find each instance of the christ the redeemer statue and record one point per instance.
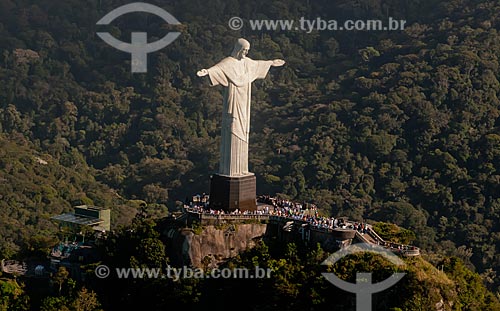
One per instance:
(236, 73)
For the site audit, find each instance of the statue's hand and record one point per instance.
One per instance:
(202, 73)
(278, 62)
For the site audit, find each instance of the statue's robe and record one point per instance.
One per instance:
(237, 76)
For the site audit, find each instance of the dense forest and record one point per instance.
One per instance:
(399, 126)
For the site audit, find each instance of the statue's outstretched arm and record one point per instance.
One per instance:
(278, 62)
(202, 73)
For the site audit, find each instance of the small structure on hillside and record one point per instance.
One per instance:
(98, 218)
(76, 251)
(13, 267)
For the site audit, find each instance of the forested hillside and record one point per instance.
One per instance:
(35, 186)
(399, 126)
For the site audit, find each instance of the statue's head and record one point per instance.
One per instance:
(240, 49)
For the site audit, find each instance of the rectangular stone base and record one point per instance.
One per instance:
(230, 193)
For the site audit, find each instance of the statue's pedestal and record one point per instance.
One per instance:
(230, 193)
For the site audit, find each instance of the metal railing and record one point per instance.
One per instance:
(349, 225)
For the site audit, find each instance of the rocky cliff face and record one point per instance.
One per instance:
(213, 244)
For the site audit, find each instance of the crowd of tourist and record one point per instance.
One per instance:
(306, 212)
